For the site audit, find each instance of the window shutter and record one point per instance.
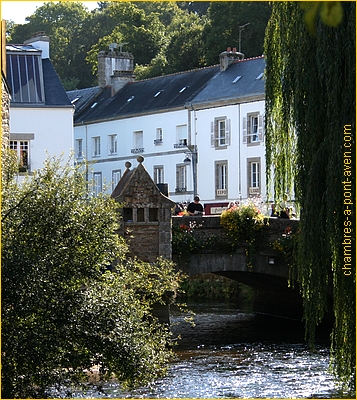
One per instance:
(212, 135)
(244, 129)
(260, 128)
(228, 132)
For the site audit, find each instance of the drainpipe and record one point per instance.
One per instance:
(192, 147)
(239, 155)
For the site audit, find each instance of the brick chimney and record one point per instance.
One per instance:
(40, 41)
(115, 69)
(226, 58)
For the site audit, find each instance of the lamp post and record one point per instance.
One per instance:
(194, 156)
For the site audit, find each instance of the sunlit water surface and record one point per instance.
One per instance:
(231, 353)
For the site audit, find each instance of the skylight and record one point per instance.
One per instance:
(93, 105)
(236, 79)
(130, 99)
(183, 89)
(260, 76)
(75, 99)
(158, 93)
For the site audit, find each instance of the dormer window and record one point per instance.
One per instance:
(24, 74)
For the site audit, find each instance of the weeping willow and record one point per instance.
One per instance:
(310, 102)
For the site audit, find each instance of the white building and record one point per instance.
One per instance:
(41, 115)
(200, 131)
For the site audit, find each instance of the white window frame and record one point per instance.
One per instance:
(113, 144)
(159, 174)
(138, 142)
(181, 178)
(220, 132)
(253, 128)
(116, 176)
(221, 172)
(79, 148)
(97, 183)
(254, 176)
(96, 146)
(22, 149)
(181, 135)
(159, 136)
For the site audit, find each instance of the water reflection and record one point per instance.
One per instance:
(231, 353)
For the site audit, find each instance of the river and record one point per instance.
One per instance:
(235, 353)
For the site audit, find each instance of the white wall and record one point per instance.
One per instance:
(199, 133)
(52, 129)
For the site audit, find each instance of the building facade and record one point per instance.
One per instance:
(201, 131)
(41, 115)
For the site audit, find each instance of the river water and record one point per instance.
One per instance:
(234, 353)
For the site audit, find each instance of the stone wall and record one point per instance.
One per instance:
(5, 114)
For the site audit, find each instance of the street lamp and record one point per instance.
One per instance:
(194, 156)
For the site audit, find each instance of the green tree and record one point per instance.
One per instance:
(67, 25)
(225, 20)
(63, 310)
(310, 100)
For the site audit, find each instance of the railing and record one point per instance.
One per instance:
(137, 151)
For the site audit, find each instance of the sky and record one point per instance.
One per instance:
(17, 11)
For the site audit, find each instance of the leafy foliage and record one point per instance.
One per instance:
(310, 97)
(164, 37)
(244, 223)
(63, 310)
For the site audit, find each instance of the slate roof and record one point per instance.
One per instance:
(221, 87)
(81, 97)
(55, 94)
(146, 96)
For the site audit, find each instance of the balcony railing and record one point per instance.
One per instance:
(158, 141)
(182, 143)
(137, 151)
(180, 190)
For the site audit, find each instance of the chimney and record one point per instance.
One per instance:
(40, 41)
(115, 68)
(226, 58)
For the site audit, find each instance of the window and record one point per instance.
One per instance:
(253, 128)
(96, 146)
(116, 175)
(254, 171)
(253, 175)
(181, 136)
(113, 144)
(97, 183)
(153, 214)
(24, 74)
(220, 132)
(181, 178)
(21, 147)
(140, 215)
(221, 178)
(159, 136)
(138, 142)
(128, 214)
(79, 148)
(158, 174)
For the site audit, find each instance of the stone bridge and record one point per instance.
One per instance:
(268, 274)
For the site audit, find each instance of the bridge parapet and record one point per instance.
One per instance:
(209, 225)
